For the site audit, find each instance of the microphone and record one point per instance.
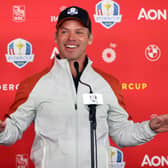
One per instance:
(76, 65)
(88, 98)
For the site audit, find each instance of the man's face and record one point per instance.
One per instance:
(72, 39)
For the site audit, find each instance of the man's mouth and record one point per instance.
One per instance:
(71, 46)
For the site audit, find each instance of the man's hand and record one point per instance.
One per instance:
(159, 123)
(2, 126)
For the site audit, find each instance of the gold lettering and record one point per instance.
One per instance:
(131, 86)
(134, 85)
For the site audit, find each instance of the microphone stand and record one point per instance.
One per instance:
(92, 119)
(93, 124)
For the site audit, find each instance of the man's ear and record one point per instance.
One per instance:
(90, 39)
(55, 36)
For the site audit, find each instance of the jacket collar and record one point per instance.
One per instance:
(64, 62)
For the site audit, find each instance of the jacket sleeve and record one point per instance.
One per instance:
(125, 132)
(116, 86)
(23, 113)
(23, 110)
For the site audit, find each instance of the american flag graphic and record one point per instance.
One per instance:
(99, 10)
(11, 49)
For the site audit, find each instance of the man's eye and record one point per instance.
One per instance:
(63, 31)
(79, 32)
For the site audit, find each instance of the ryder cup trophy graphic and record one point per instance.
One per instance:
(108, 7)
(107, 13)
(19, 53)
(115, 158)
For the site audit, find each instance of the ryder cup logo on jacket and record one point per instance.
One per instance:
(116, 158)
(107, 13)
(19, 52)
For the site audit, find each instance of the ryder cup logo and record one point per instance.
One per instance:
(72, 11)
(116, 158)
(107, 13)
(19, 52)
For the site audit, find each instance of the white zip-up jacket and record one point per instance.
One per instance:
(61, 120)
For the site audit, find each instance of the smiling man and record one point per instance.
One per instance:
(73, 36)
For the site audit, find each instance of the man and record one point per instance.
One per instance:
(53, 100)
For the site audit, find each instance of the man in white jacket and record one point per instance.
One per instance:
(52, 99)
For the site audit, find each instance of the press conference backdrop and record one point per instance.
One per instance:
(130, 42)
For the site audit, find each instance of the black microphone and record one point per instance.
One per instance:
(76, 65)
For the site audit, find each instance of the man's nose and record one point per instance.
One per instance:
(72, 36)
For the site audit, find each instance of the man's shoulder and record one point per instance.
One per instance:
(25, 88)
(34, 78)
(111, 79)
(29, 83)
(114, 84)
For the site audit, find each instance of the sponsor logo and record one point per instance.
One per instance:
(152, 14)
(22, 161)
(115, 158)
(19, 13)
(9, 86)
(152, 52)
(54, 19)
(54, 52)
(134, 85)
(156, 161)
(109, 54)
(107, 13)
(19, 52)
(72, 11)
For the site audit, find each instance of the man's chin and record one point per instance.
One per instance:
(72, 58)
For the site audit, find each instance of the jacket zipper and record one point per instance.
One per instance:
(74, 94)
(76, 107)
